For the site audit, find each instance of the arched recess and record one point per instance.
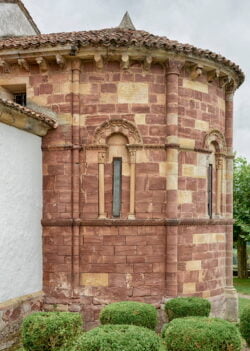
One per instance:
(110, 137)
(215, 142)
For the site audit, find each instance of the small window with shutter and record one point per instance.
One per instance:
(210, 190)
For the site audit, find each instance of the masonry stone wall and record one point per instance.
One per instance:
(168, 128)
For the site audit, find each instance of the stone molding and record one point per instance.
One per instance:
(217, 137)
(121, 126)
(16, 301)
(135, 222)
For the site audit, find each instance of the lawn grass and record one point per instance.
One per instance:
(242, 286)
(243, 303)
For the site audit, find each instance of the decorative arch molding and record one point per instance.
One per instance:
(113, 126)
(217, 138)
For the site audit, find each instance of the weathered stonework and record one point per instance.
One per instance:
(168, 120)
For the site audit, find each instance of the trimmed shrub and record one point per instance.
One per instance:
(203, 334)
(118, 338)
(187, 306)
(130, 312)
(245, 324)
(45, 331)
(164, 328)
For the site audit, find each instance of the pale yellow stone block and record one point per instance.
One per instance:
(140, 118)
(172, 155)
(208, 238)
(221, 104)
(108, 98)
(94, 279)
(187, 143)
(193, 265)
(201, 125)
(64, 118)
(200, 172)
(172, 182)
(172, 139)
(13, 80)
(172, 119)
(201, 160)
(85, 88)
(194, 85)
(172, 168)
(162, 169)
(184, 196)
(206, 294)
(189, 288)
(39, 100)
(161, 99)
(142, 156)
(132, 93)
(188, 170)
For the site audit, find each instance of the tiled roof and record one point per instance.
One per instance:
(25, 11)
(29, 112)
(116, 37)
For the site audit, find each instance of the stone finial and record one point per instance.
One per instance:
(126, 22)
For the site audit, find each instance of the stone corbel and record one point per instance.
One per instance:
(125, 61)
(213, 75)
(196, 71)
(5, 66)
(99, 61)
(223, 81)
(23, 64)
(42, 63)
(147, 62)
(60, 60)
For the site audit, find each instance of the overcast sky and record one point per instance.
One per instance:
(222, 26)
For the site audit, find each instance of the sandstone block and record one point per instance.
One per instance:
(184, 196)
(189, 288)
(193, 265)
(187, 143)
(94, 279)
(194, 85)
(132, 92)
(201, 125)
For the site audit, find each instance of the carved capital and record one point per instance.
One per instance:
(76, 64)
(23, 64)
(219, 163)
(99, 61)
(174, 67)
(102, 157)
(125, 61)
(42, 63)
(132, 155)
(230, 88)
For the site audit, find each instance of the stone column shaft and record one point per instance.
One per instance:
(101, 188)
(132, 184)
(172, 81)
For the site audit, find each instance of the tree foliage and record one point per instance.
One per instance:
(242, 198)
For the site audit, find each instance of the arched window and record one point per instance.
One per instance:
(215, 143)
(118, 140)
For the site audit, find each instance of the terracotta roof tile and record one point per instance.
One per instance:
(31, 113)
(116, 37)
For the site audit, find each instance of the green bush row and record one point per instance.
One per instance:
(187, 306)
(49, 331)
(201, 333)
(118, 338)
(130, 312)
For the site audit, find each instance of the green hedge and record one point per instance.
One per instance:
(45, 331)
(203, 334)
(245, 324)
(187, 306)
(118, 338)
(129, 312)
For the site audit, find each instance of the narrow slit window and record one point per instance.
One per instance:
(117, 186)
(210, 190)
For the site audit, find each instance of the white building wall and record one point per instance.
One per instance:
(20, 213)
(13, 22)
